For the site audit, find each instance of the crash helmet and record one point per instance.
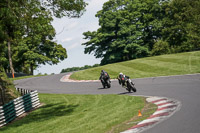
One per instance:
(120, 73)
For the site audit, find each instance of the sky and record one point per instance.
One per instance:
(69, 33)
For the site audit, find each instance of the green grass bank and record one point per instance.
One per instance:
(25, 77)
(65, 113)
(164, 65)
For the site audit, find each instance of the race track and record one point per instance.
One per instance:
(185, 89)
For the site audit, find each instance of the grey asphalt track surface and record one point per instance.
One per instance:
(184, 88)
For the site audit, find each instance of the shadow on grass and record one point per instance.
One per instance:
(47, 112)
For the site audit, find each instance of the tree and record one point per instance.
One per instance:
(127, 30)
(181, 25)
(37, 46)
(160, 47)
(26, 27)
(9, 24)
(3, 59)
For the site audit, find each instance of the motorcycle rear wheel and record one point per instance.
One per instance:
(109, 85)
(129, 90)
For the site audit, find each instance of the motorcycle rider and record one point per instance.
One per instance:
(122, 79)
(104, 76)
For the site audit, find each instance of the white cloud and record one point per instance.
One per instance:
(72, 46)
(66, 39)
(94, 4)
(71, 25)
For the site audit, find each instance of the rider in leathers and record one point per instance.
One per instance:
(104, 76)
(122, 79)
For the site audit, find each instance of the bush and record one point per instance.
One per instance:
(7, 91)
(160, 47)
(72, 69)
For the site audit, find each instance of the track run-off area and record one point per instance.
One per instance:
(184, 89)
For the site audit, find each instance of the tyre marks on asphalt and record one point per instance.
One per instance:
(165, 108)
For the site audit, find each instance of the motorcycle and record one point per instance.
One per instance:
(106, 82)
(130, 85)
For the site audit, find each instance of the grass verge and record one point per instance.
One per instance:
(25, 77)
(164, 65)
(147, 111)
(65, 113)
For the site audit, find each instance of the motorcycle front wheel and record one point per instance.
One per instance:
(134, 89)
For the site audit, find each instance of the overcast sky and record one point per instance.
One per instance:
(69, 34)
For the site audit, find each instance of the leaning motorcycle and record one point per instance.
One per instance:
(106, 82)
(130, 85)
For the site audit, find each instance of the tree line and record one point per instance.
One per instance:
(27, 35)
(78, 68)
(131, 29)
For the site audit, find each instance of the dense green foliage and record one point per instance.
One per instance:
(130, 29)
(78, 113)
(27, 35)
(160, 47)
(78, 68)
(7, 89)
(164, 65)
(182, 25)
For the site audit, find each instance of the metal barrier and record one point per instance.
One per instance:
(23, 91)
(18, 106)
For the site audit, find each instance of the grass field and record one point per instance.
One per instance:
(63, 113)
(164, 65)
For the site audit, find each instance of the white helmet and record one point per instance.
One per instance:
(121, 73)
